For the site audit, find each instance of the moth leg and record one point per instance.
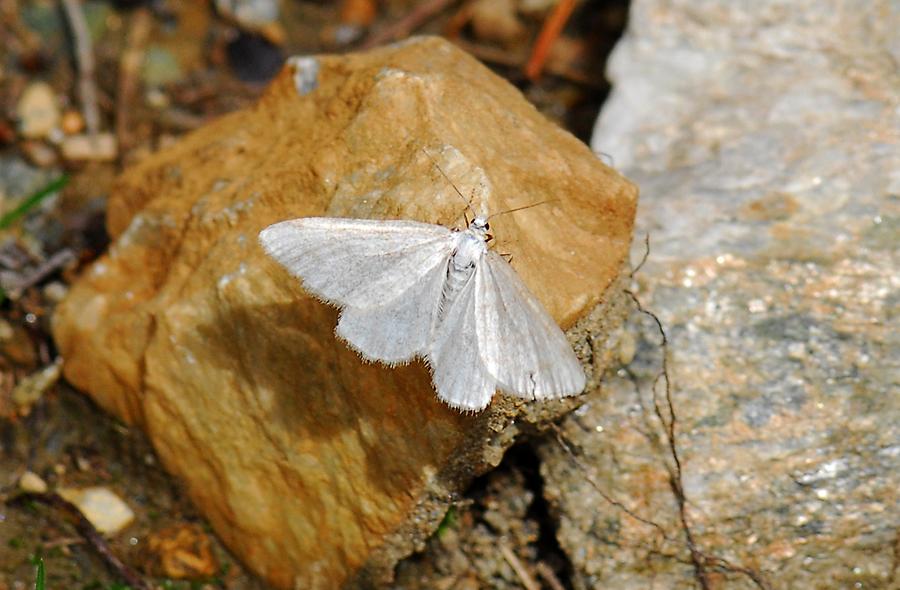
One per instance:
(488, 238)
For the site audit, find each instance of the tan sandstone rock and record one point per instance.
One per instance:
(317, 469)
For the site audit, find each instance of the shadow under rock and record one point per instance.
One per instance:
(302, 384)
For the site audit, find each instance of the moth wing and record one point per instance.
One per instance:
(522, 347)
(358, 263)
(400, 329)
(459, 375)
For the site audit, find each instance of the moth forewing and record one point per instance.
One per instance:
(408, 289)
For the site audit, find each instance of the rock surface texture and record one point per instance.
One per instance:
(766, 142)
(315, 468)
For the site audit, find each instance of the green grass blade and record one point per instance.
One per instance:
(39, 576)
(32, 201)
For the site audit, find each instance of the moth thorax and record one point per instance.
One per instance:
(470, 247)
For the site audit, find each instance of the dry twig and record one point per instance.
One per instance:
(500, 57)
(43, 270)
(548, 576)
(454, 25)
(644, 258)
(402, 28)
(129, 67)
(553, 26)
(84, 51)
(89, 533)
(527, 580)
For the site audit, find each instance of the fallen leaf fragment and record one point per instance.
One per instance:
(183, 552)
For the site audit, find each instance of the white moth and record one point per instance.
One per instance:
(408, 289)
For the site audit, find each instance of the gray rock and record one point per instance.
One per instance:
(766, 141)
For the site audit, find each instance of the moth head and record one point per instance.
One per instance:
(480, 224)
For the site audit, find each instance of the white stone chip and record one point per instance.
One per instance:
(101, 506)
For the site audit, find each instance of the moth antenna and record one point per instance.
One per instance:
(520, 208)
(436, 165)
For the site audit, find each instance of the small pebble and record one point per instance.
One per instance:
(72, 122)
(156, 98)
(32, 482)
(56, 136)
(82, 464)
(6, 331)
(55, 291)
(102, 507)
(160, 67)
(30, 389)
(341, 35)
(627, 348)
(39, 153)
(496, 20)
(250, 14)
(37, 111)
(90, 147)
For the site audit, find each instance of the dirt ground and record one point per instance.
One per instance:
(140, 75)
